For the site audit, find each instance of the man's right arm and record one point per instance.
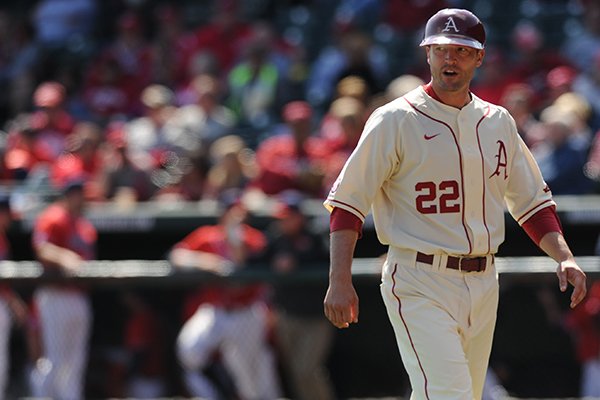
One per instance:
(341, 300)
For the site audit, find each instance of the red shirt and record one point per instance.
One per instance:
(281, 162)
(55, 225)
(144, 335)
(212, 239)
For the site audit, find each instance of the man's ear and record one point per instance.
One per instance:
(480, 56)
(427, 48)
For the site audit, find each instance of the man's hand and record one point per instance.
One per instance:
(341, 305)
(569, 272)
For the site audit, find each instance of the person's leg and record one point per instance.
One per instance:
(198, 339)
(483, 291)
(77, 322)
(304, 346)
(248, 356)
(426, 309)
(5, 327)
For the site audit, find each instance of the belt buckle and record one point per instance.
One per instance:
(460, 259)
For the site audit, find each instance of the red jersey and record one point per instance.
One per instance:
(55, 225)
(212, 239)
(281, 162)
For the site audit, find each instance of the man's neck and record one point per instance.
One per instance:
(452, 99)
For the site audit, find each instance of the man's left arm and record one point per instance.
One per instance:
(555, 245)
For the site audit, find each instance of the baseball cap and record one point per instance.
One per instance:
(297, 111)
(49, 94)
(454, 26)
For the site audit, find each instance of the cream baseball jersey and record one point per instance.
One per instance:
(409, 169)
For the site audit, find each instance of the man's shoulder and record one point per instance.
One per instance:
(490, 109)
(402, 105)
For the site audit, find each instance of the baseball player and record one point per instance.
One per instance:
(12, 307)
(231, 318)
(437, 167)
(62, 240)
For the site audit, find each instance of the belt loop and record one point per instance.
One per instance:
(441, 261)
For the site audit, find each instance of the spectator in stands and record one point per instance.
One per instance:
(224, 35)
(172, 46)
(148, 137)
(108, 92)
(51, 122)
(82, 159)
(352, 53)
(131, 51)
(352, 117)
(582, 44)
(294, 159)
(230, 318)
(12, 307)
(253, 85)
(559, 81)
(579, 112)
(186, 180)
(19, 56)
(583, 323)
(533, 59)
(233, 166)
(59, 22)
(205, 118)
(493, 77)
(330, 125)
(123, 181)
(560, 155)
(518, 100)
(592, 165)
(303, 336)
(63, 239)
(408, 16)
(401, 85)
(587, 85)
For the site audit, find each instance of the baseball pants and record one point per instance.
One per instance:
(5, 330)
(444, 323)
(240, 335)
(65, 317)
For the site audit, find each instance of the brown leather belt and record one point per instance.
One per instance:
(466, 264)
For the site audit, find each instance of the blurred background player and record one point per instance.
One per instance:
(63, 239)
(303, 335)
(230, 318)
(11, 304)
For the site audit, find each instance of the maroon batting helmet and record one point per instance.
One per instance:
(454, 26)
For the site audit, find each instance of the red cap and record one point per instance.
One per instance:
(296, 111)
(49, 94)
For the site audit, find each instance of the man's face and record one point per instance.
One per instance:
(453, 66)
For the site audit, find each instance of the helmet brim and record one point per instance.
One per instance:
(452, 39)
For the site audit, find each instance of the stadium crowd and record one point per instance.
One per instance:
(180, 101)
(146, 105)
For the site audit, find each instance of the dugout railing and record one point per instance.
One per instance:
(537, 354)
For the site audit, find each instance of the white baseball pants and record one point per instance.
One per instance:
(65, 317)
(5, 330)
(444, 323)
(240, 335)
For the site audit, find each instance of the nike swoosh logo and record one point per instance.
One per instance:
(427, 137)
(546, 189)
